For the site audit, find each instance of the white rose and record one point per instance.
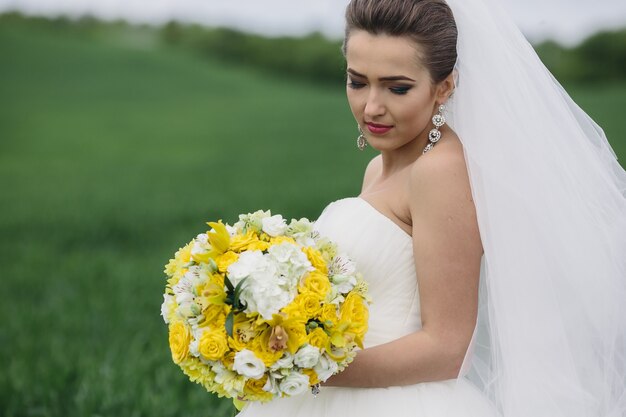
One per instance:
(325, 368)
(286, 361)
(274, 226)
(271, 385)
(295, 383)
(307, 357)
(247, 364)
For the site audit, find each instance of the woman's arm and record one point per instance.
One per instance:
(447, 251)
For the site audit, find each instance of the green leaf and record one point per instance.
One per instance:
(229, 284)
(229, 323)
(237, 292)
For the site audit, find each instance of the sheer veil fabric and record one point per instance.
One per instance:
(551, 205)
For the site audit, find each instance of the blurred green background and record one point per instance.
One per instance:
(118, 142)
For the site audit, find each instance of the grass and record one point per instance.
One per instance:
(112, 155)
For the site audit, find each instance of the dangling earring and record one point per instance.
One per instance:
(434, 135)
(361, 143)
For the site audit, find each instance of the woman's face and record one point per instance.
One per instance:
(390, 94)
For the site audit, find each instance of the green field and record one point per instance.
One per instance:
(112, 155)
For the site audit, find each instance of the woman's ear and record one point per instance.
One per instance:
(445, 88)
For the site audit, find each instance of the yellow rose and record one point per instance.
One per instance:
(213, 344)
(354, 311)
(316, 282)
(316, 259)
(259, 245)
(328, 313)
(313, 379)
(282, 239)
(215, 315)
(253, 390)
(224, 260)
(318, 338)
(306, 305)
(179, 338)
(239, 243)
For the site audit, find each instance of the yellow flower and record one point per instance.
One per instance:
(239, 243)
(213, 291)
(225, 260)
(278, 338)
(305, 305)
(179, 338)
(177, 267)
(295, 329)
(219, 238)
(328, 313)
(313, 379)
(212, 344)
(316, 282)
(318, 338)
(228, 360)
(253, 389)
(244, 331)
(261, 348)
(259, 245)
(197, 371)
(282, 239)
(354, 311)
(316, 259)
(214, 316)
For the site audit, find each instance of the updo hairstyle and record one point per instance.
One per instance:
(429, 23)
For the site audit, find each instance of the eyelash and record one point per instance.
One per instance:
(396, 90)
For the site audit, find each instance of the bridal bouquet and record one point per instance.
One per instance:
(263, 309)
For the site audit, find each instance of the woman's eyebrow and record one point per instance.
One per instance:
(390, 78)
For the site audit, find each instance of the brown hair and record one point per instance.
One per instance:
(429, 23)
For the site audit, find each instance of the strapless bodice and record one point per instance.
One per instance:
(383, 253)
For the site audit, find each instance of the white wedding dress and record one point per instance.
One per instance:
(384, 254)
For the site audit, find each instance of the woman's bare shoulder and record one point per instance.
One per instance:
(374, 167)
(446, 157)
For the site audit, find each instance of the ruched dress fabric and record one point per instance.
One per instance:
(384, 255)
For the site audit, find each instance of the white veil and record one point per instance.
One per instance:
(551, 206)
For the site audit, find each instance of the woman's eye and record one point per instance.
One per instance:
(355, 85)
(400, 90)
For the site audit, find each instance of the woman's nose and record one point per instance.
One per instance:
(374, 106)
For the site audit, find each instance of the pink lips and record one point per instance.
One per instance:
(378, 129)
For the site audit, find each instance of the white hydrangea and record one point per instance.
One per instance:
(272, 278)
(274, 225)
(248, 364)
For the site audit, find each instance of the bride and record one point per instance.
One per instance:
(491, 227)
